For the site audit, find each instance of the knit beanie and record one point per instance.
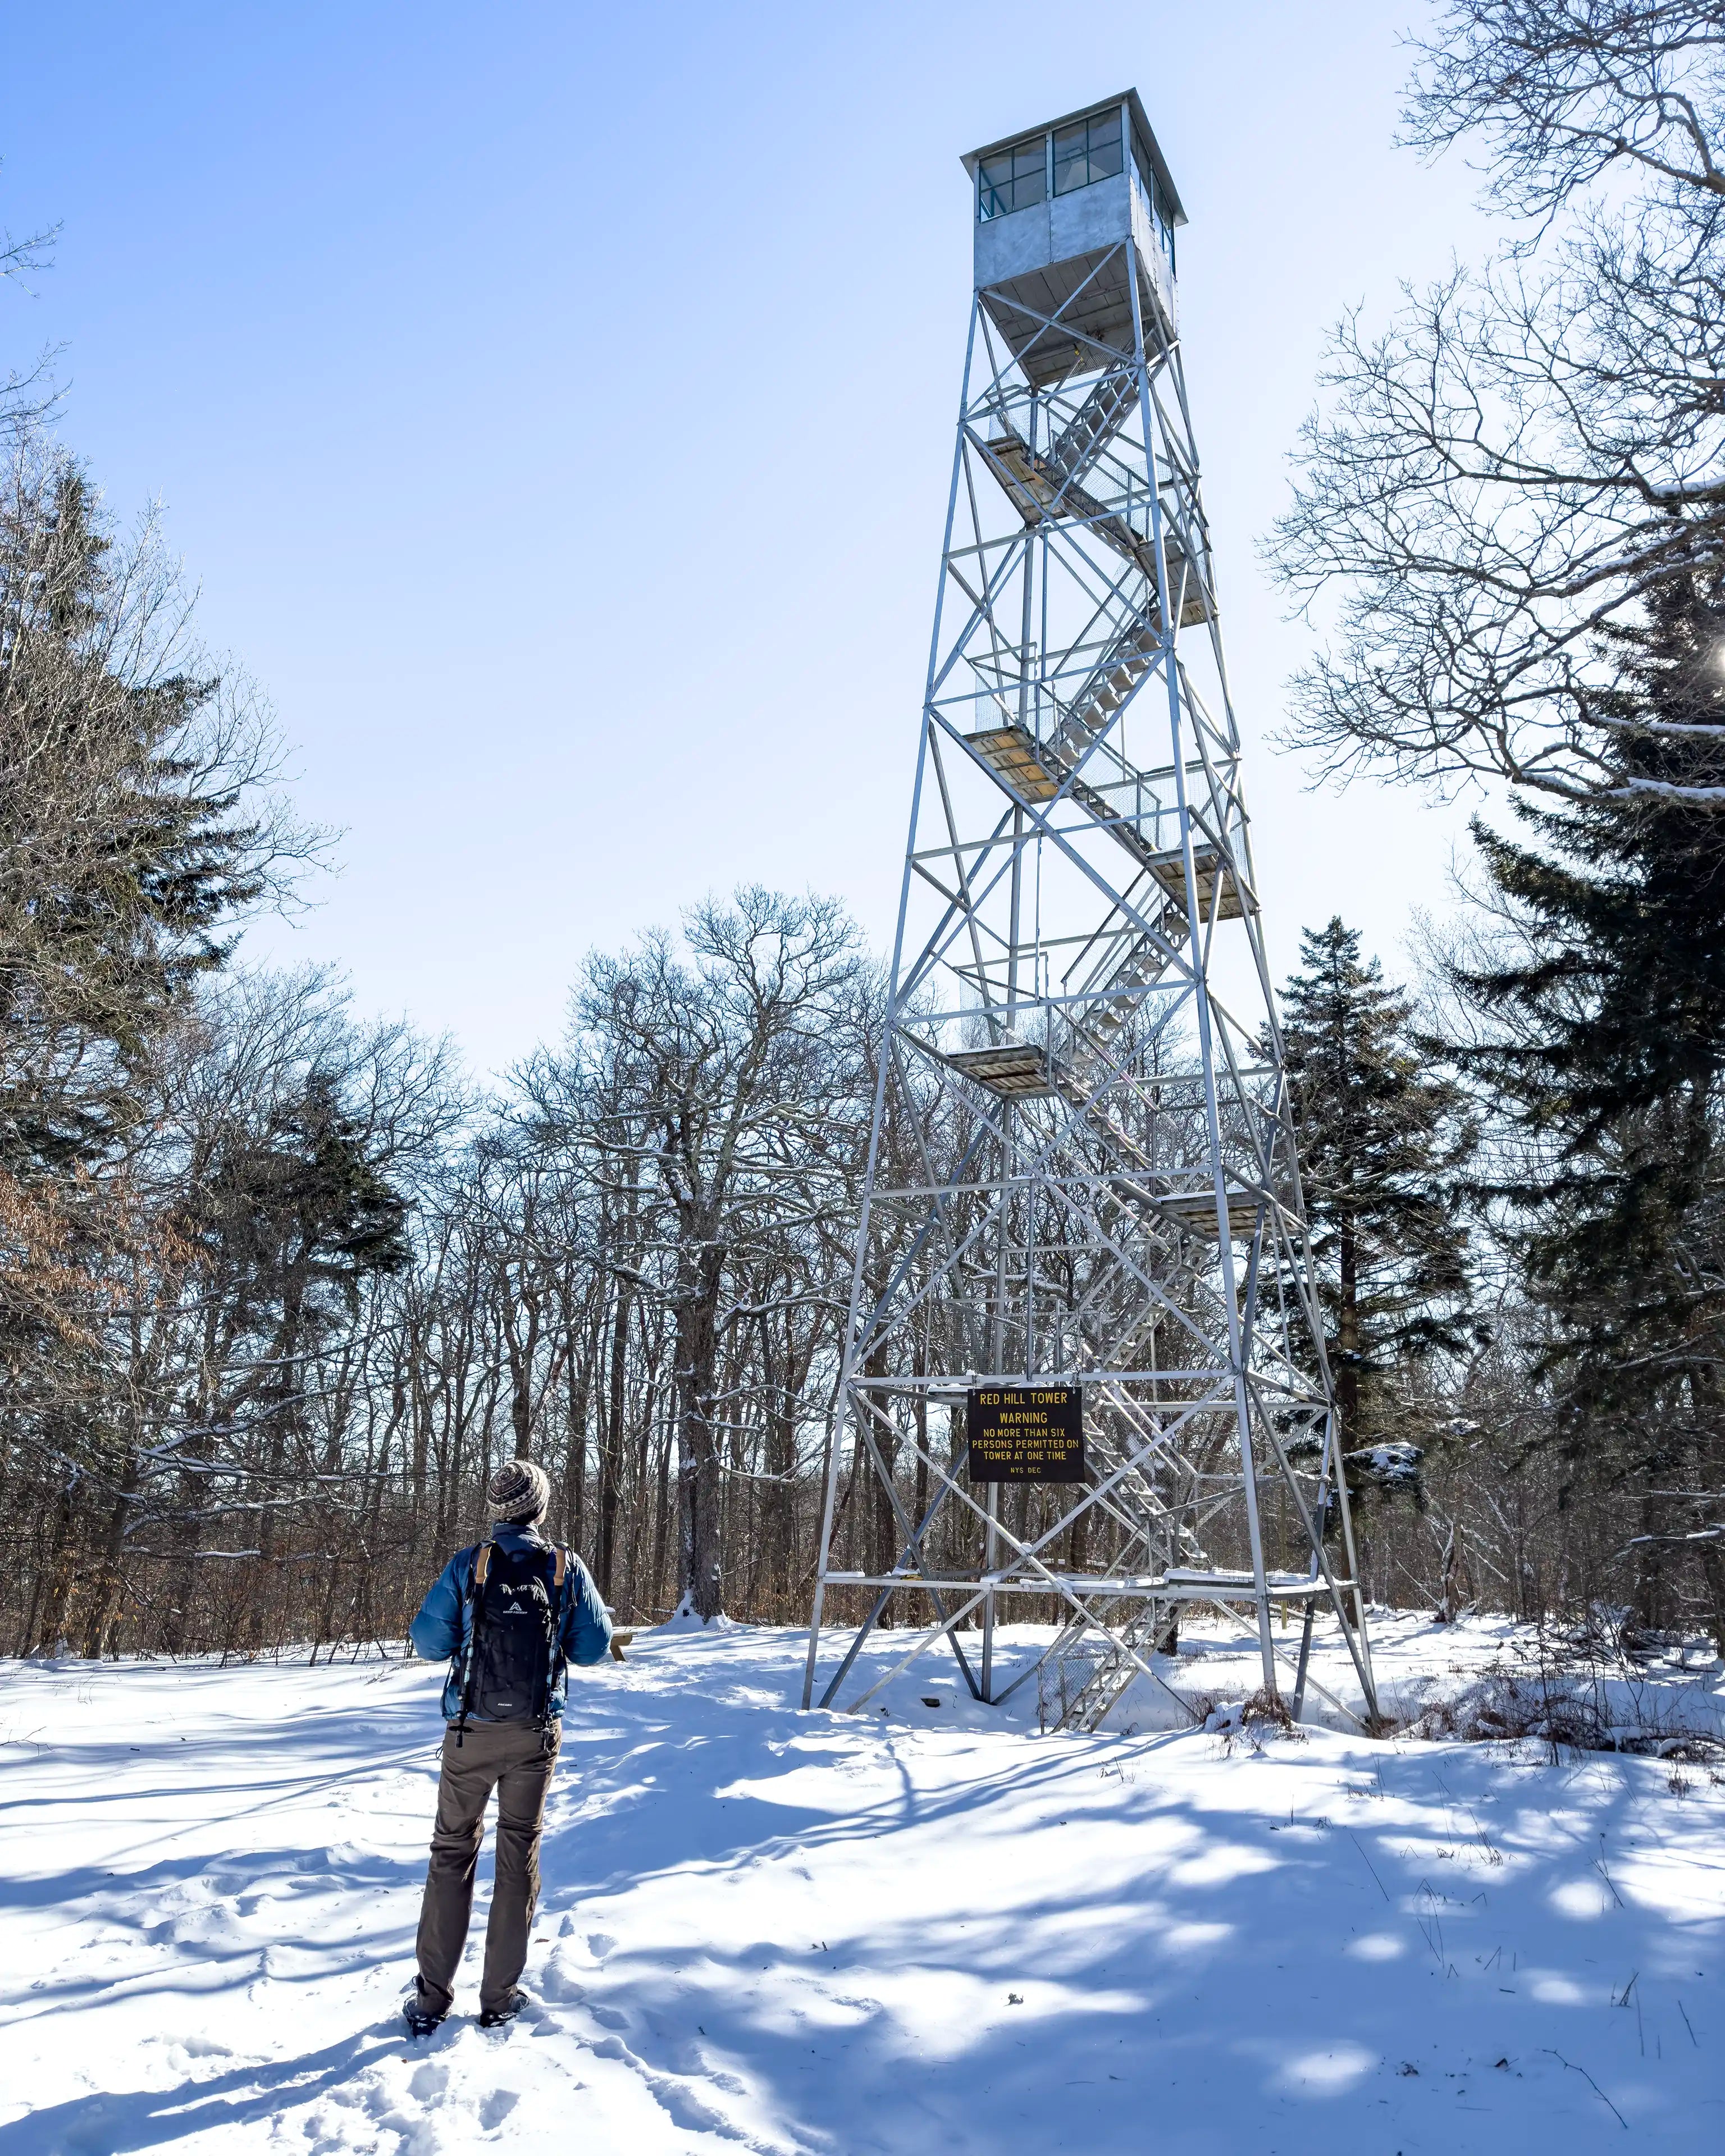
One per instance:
(520, 1493)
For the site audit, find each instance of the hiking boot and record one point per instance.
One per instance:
(420, 2019)
(511, 2004)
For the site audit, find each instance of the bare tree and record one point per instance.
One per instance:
(729, 1080)
(1530, 448)
(26, 394)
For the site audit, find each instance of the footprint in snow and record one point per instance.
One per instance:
(560, 1983)
(203, 2047)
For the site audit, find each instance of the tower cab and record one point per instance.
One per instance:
(1054, 210)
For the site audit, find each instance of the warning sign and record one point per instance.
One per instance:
(1026, 1434)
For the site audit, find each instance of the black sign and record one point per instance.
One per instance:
(1026, 1434)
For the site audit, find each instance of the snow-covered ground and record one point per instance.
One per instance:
(928, 1930)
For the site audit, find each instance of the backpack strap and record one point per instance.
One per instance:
(481, 1566)
(554, 1659)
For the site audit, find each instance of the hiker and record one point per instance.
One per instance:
(509, 1614)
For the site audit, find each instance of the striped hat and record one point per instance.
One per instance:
(519, 1492)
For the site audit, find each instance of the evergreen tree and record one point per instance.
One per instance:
(1382, 1136)
(124, 849)
(1611, 1047)
(1604, 1044)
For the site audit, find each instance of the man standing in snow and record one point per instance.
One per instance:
(509, 1614)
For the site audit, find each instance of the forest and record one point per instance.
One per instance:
(280, 1284)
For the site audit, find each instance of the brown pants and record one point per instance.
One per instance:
(512, 1758)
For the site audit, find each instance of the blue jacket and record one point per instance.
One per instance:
(439, 1631)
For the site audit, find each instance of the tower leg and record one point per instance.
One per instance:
(991, 1558)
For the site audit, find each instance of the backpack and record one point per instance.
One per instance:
(514, 1634)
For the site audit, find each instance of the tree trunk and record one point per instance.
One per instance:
(107, 1581)
(885, 1538)
(610, 1489)
(919, 1497)
(57, 1571)
(661, 1519)
(1649, 1568)
(779, 1384)
(580, 1354)
(522, 1354)
(698, 1468)
(1347, 1334)
(283, 1413)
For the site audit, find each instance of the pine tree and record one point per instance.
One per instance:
(1382, 1136)
(125, 850)
(1604, 1044)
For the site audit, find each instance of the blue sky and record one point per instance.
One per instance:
(555, 405)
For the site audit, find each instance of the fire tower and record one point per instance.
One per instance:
(1082, 1185)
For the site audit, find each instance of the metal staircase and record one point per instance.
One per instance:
(1039, 490)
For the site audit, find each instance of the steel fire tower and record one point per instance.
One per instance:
(1082, 1167)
